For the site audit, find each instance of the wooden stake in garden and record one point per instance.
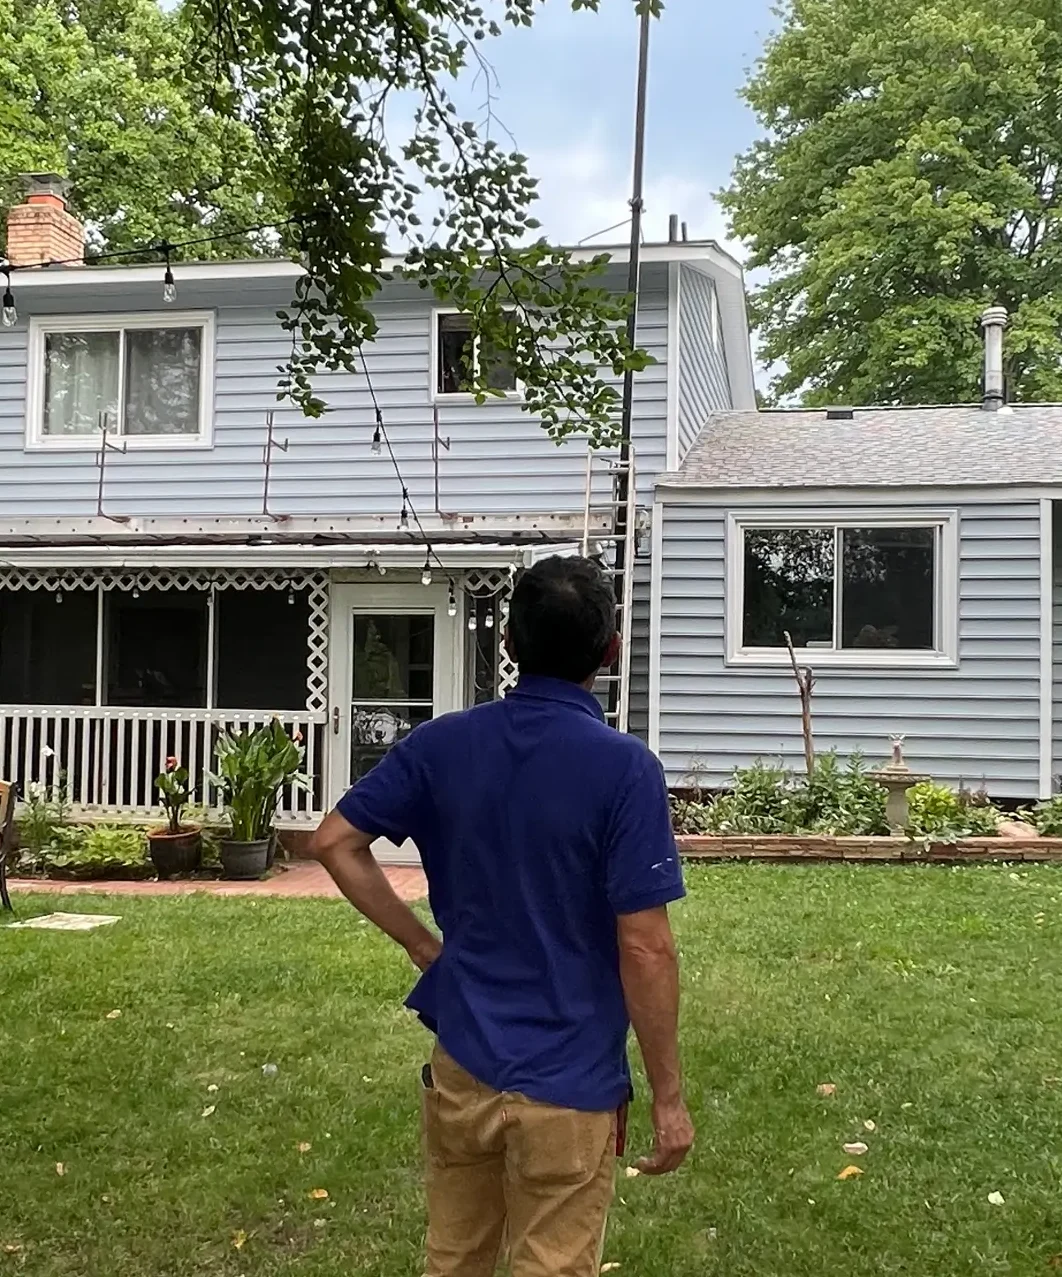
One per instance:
(805, 679)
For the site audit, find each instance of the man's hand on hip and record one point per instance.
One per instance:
(672, 1136)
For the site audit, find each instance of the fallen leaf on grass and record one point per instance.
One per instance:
(210, 1108)
(868, 1125)
(320, 1223)
(212, 1087)
(997, 1199)
(239, 1239)
(60, 1168)
(304, 1147)
(827, 1088)
(631, 1172)
(850, 1172)
(609, 1268)
(12, 1248)
(855, 1150)
(113, 1015)
(319, 1194)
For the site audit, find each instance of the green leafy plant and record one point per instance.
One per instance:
(173, 789)
(94, 851)
(252, 768)
(44, 813)
(937, 813)
(842, 801)
(1046, 817)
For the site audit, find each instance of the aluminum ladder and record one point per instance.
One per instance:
(619, 515)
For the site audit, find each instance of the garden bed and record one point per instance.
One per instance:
(787, 847)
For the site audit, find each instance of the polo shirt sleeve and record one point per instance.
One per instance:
(387, 802)
(642, 867)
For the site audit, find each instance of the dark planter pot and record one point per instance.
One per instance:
(244, 859)
(176, 853)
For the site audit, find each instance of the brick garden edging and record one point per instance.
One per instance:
(782, 847)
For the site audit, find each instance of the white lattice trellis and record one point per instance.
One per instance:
(132, 580)
(496, 584)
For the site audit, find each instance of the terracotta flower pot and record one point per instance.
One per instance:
(178, 853)
(244, 859)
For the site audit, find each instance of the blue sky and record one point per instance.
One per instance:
(566, 92)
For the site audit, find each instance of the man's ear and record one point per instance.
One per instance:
(611, 652)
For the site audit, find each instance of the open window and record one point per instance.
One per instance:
(865, 591)
(148, 378)
(459, 357)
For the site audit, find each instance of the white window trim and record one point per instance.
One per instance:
(946, 603)
(41, 325)
(458, 396)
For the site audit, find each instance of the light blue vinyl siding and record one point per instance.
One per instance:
(978, 723)
(499, 460)
(703, 385)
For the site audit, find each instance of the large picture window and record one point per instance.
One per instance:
(864, 591)
(149, 377)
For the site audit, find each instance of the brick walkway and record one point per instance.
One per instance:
(300, 878)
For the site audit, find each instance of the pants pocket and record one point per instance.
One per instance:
(549, 1145)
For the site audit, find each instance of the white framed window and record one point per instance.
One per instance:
(150, 375)
(458, 357)
(864, 589)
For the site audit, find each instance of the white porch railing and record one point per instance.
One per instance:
(110, 756)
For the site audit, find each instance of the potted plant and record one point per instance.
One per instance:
(252, 768)
(175, 848)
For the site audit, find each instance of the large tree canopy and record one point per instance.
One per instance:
(909, 177)
(108, 93)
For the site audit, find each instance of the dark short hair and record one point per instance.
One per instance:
(562, 619)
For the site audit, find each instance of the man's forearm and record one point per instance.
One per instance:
(365, 885)
(651, 990)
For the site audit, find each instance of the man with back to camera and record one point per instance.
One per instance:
(546, 841)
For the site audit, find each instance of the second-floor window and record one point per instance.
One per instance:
(460, 357)
(146, 378)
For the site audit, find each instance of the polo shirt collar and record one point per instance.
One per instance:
(536, 688)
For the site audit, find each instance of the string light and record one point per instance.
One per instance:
(377, 435)
(403, 518)
(8, 313)
(472, 624)
(451, 599)
(169, 288)
(425, 575)
(488, 620)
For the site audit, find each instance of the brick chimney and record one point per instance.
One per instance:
(40, 229)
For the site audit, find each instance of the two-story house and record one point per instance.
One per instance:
(208, 568)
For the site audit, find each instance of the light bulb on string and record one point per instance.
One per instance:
(403, 518)
(169, 288)
(291, 597)
(377, 435)
(451, 600)
(504, 609)
(58, 596)
(8, 313)
(472, 623)
(488, 620)
(425, 575)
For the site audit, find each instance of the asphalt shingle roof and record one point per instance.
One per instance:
(877, 447)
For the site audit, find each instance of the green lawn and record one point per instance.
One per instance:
(931, 998)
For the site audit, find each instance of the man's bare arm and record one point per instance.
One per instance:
(346, 853)
(649, 971)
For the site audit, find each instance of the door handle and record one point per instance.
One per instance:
(335, 721)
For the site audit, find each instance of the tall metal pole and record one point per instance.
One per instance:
(623, 480)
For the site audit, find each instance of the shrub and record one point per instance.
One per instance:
(91, 851)
(939, 814)
(769, 799)
(1047, 817)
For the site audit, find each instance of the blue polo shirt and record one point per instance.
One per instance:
(537, 824)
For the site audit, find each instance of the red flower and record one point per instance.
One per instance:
(171, 763)
(297, 736)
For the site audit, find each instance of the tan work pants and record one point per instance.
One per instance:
(505, 1169)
